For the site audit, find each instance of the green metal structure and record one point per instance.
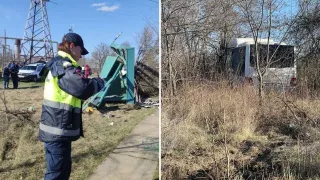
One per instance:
(119, 86)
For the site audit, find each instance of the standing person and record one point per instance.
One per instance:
(14, 69)
(6, 79)
(87, 71)
(61, 118)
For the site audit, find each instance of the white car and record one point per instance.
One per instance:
(30, 72)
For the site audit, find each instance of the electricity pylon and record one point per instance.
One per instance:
(36, 43)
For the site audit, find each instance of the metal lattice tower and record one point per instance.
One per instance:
(36, 43)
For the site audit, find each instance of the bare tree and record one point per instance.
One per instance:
(194, 38)
(263, 22)
(100, 54)
(305, 35)
(148, 50)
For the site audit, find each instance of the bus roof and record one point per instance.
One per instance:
(239, 42)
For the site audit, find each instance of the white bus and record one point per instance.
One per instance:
(281, 71)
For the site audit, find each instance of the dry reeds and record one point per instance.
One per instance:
(216, 131)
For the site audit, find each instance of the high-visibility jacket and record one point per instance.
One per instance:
(64, 88)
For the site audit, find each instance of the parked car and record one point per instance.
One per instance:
(31, 72)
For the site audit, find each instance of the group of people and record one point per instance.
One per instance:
(12, 70)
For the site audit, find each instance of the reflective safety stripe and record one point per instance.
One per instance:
(57, 131)
(59, 105)
(66, 64)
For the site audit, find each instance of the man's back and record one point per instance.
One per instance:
(6, 71)
(13, 68)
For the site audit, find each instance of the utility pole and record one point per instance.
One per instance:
(5, 46)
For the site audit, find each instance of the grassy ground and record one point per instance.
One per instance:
(156, 174)
(22, 84)
(218, 132)
(22, 154)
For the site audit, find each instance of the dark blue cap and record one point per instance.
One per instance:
(76, 40)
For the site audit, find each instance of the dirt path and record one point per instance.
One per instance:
(136, 157)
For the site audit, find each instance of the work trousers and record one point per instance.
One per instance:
(15, 80)
(58, 158)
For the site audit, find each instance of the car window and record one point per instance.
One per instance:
(39, 68)
(29, 68)
(23, 68)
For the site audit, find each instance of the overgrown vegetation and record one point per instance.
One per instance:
(215, 131)
(22, 154)
(215, 128)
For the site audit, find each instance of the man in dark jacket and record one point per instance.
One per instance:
(61, 118)
(14, 69)
(6, 74)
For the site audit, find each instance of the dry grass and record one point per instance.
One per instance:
(218, 132)
(22, 154)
